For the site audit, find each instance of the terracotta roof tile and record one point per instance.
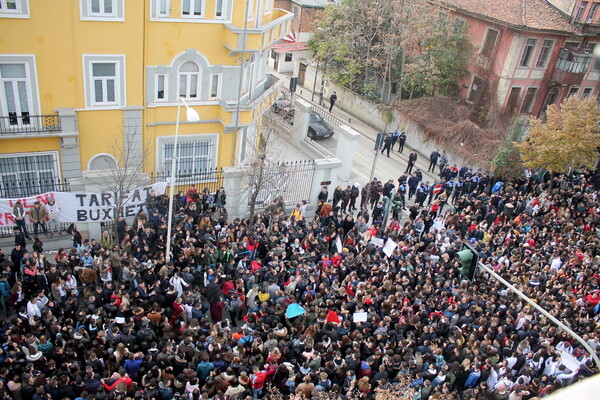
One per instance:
(283, 47)
(530, 14)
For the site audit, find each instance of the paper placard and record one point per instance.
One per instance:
(389, 247)
(569, 361)
(377, 241)
(338, 244)
(359, 317)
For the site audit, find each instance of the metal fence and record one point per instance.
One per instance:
(14, 124)
(292, 180)
(329, 118)
(205, 178)
(17, 188)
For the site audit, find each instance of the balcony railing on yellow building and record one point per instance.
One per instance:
(25, 123)
(273, 30)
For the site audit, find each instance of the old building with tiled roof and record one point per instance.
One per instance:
(529, 53)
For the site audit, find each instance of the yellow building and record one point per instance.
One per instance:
(81, 78)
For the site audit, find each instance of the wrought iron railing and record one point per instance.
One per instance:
(15, 124)
(291, 180)
(330, 119)
(211, 178)
(318, 148)
(10, 189)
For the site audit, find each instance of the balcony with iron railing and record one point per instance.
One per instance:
(29, 124)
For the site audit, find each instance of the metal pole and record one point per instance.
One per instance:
(172, 183)
(241, 80)
(540, 309)
(315, 81)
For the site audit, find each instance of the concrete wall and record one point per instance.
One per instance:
(288, 66)
(372, 114)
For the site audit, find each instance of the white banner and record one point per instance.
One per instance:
(84, 207)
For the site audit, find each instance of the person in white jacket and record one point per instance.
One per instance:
(53, 211)
(32, 308)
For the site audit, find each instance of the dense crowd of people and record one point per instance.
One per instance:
(309, 305)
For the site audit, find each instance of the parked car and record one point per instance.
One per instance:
(318, 128)
(283, 107)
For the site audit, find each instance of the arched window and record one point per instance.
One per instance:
(189, 79)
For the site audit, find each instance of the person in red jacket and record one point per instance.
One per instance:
(257, 380)
(227, 286)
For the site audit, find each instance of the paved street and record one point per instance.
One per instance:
(387, 168)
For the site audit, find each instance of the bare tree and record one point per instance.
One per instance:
(125, 173)
(266, 174)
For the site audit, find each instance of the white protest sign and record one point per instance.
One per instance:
(389, 247)
(569, 361)
(359, 317)
(377, 241)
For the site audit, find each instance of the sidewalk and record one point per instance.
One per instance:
(386, 168)
(51, 244)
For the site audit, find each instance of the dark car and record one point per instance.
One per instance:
(318, 128)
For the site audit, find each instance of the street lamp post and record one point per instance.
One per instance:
(192, 116)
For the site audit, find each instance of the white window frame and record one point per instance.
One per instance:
(219, 78)
(117, 14)
(268, 6)
(33, 96)
(251, 10)
(22, 10)
(192, 4)
(55, 168)
(162, 141)
(548, 55)
(224, 9)
(120, 81)
(157, 12)
(180, 74)
(165, 88)
(533, 46)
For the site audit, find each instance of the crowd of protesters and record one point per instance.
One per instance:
(112, 319)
